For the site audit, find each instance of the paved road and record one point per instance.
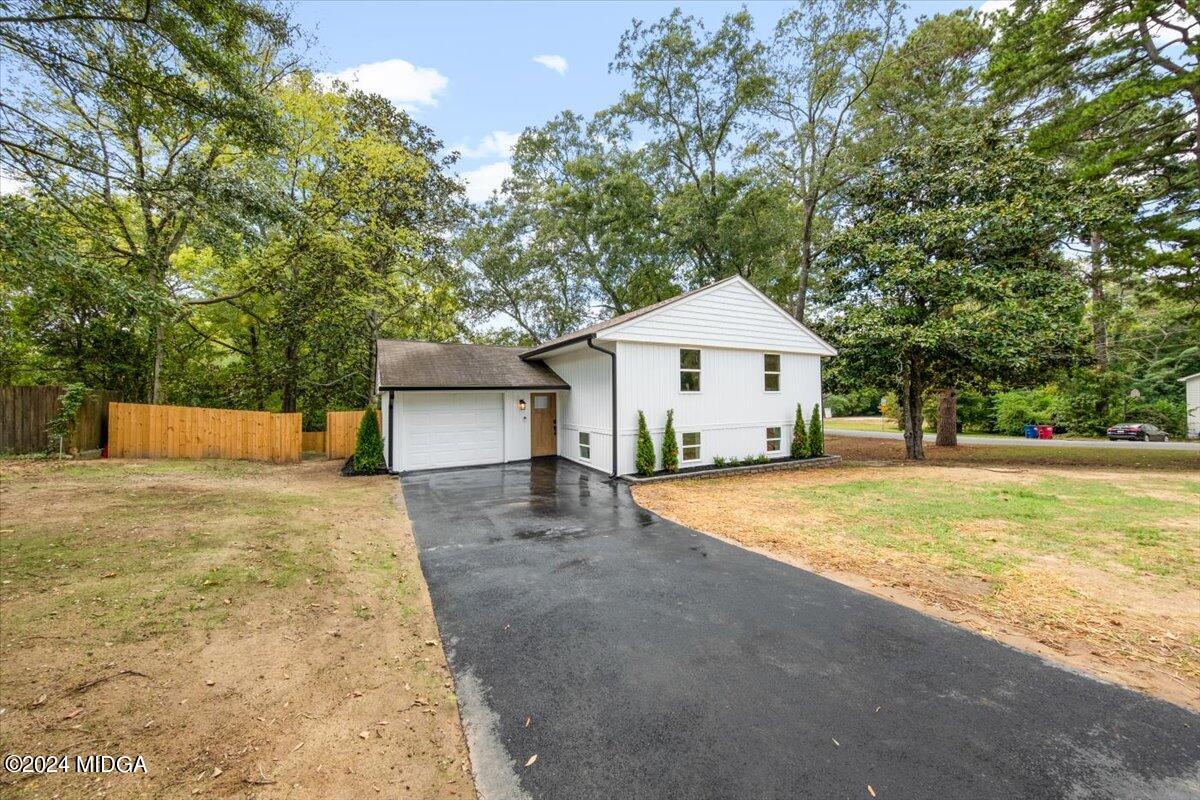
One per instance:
(1021, 442)
(655, 662)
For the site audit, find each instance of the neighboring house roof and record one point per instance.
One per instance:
(617, 321)
(1189, 377)
(410, 366)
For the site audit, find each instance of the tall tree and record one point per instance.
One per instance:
(694, 91)
(823, 60)
(1111, 86)
(130, 124)
(950, 267)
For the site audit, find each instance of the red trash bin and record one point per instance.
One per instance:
(1045, 431)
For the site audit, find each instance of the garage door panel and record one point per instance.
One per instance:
(452, 430)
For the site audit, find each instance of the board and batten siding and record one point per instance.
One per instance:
(1192, 395)
(730, 315)
(732, 409)
(587, 407)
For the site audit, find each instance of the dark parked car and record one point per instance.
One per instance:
(1137, 432)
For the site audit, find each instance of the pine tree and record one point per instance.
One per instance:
(645, 447)
(670, 445)
(816, 434)
(799, 438)
(368, 448)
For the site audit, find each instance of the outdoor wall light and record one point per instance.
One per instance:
(521, 404)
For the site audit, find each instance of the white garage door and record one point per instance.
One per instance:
(452, 429)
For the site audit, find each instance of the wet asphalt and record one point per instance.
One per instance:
(637, 658)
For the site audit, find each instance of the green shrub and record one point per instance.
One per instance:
(1091, 401)
(62, 427)
(720, 461)
(1169, 415)
(799, 435)
(889, 408)
(368, 448)
(645, 447)
(816, 435)
(1021, 407)
(670, 445)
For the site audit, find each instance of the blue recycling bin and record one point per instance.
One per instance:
(1031, 431)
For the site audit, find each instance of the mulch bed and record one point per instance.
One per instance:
(709, 471)
(348, 470)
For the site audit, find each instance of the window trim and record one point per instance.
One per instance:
(699, 445)
(778, 373)
(582, 445)
(777, 439)
(697, 370)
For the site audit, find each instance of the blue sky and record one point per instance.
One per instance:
(472, 72)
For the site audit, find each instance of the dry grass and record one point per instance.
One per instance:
(1102, 567)
(276, 614)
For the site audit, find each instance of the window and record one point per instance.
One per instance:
(585, 446)
(774, 439)
(691, 446)
(541, 401)
(771, 372)
(689, 370)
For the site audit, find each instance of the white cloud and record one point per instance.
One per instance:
(482, 181)
(11, 184)
(992, 6)
(556, 63)
(406, 85)
(497, 144)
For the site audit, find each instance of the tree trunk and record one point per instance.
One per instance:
(156, 370)
(911, 391)
(1099, 323)
(290, 372)
(947, 420)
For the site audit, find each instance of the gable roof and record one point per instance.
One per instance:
(411, 366)
(610, 325)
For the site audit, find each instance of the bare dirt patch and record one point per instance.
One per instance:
(250, 629)
(1097, 573)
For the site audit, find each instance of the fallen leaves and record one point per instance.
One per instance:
(532, 760)
(871, 790)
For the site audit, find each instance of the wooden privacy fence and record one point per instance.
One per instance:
(341, 432)
(147, 431)
(25, 411)
(312, 441)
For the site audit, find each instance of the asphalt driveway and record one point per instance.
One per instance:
(637, 658)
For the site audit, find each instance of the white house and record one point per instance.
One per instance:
(730, 362)
(1191, 386)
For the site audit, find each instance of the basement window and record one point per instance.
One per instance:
(585, 446)
(691, 446)
(771, 372)
(774, 439)
(689, 370)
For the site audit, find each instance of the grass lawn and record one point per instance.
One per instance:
(244, 627)
(1101, 566)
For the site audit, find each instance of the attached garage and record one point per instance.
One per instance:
(452, 429)
(460, 405)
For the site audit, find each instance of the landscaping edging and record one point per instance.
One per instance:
(806, 463)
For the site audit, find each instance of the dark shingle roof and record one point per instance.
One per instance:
(591, 330)
(435, 365)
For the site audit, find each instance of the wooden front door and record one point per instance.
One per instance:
(544, 429)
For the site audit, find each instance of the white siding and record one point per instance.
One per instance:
(587, 407)
(731, 411)
(517, 440)
(730, 315)
(1192, 393)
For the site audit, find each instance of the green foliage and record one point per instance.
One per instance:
(1091, 401)
(63, 425)
(859, 402)
(799, 447)
(368, 447)
(950, 269)
(1169, 415)
(816, 434)
(645, 460)
(1018, 408)
(670, 445)
(721, 461)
